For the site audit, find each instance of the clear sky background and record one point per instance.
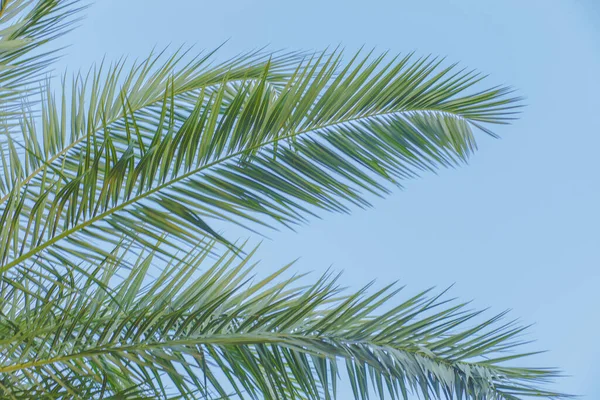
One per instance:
(518, 228)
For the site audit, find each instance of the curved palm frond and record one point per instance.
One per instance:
(222, 331)
(323, 136)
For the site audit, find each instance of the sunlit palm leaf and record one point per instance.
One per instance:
(26, 26)
(277, 145)
(223, 330)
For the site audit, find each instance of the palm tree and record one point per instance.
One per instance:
(115, 283)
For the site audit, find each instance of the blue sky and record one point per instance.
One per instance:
(518, 228)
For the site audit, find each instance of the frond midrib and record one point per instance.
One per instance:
(275, 338)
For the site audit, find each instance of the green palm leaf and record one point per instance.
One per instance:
(223, 331)
(25, 27)
(292, 137)
(147, 159)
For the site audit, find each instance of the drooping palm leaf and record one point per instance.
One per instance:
(223, 331)
(288, 139)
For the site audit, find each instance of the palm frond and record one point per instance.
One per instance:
(325, 135)
(26, 26)
(224, 331)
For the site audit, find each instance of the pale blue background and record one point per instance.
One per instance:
(518, 228)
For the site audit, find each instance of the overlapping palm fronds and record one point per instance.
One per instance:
(224, 332)
(144, 159)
